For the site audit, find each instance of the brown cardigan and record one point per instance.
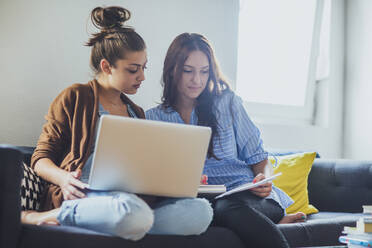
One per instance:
(67, 135)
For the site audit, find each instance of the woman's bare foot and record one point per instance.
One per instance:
(40, 218)
(293, 218)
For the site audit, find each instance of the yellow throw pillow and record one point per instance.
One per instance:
(295, 170)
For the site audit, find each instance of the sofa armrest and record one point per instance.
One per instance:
(340, 185)
(10, 205)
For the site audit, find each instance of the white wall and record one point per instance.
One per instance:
(42, 50)
(358, 83)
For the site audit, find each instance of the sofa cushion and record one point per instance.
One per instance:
(295, 169)
(334, 215)
(320, 229)
(64, 236)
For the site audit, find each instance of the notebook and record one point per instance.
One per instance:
(250, 185)
(148, 157)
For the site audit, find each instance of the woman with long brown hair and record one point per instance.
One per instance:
(63, 155)
(195, 92)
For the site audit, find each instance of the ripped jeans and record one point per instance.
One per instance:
(128, 216)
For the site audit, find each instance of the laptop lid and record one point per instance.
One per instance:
(148, 157)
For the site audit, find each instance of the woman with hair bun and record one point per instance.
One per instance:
(63, 155)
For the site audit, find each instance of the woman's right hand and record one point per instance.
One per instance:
(71, 186)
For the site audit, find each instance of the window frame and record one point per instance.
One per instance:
(265, 112)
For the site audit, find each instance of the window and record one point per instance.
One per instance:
(278, 47)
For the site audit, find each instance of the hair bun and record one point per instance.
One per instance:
(109, 17)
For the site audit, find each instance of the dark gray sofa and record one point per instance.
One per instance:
(14, 234)
(338, 188)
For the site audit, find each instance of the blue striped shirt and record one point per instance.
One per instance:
(238, 144)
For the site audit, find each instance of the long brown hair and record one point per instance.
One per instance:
(114, 39)
(205, 108)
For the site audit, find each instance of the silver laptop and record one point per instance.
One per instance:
(148, 157)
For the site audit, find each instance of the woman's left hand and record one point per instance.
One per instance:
(263, 190)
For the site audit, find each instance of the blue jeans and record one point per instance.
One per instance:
(128, 216)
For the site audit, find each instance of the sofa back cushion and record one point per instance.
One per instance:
(27, 152)
(341, 185)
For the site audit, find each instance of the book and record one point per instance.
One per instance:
(367, 209)
(361, 235)
(367, 219)
(351, 230)
(364, 224)
(362, 242)
(354, 246)
(354, 232)
(249, 186)
(211, 189)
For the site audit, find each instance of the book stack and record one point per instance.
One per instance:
(361, 235)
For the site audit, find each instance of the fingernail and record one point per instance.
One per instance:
(303, 217)
(254, 180)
